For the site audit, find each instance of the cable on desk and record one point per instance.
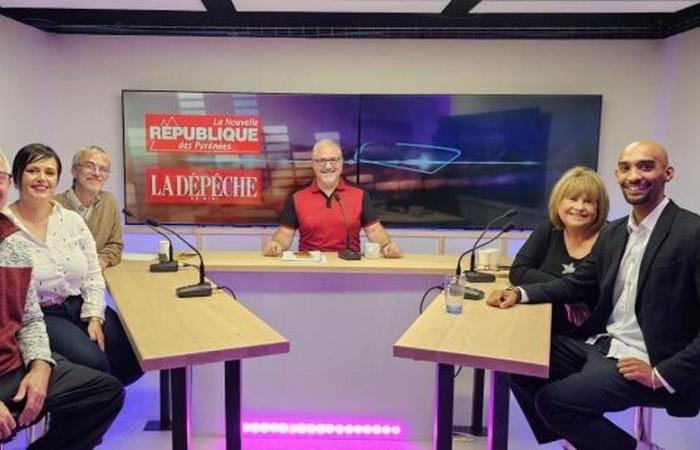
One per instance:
(229, 290)
(422, 300)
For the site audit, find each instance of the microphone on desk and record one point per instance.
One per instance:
(473, 293)
(347, 254)
(201, 289)
(458, 269)
(480, 277)
(163, 266)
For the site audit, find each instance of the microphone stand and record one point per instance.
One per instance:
(201, 289)
(162, 266)
(473, 293)
(474, 276)
(479, 277)
(347, 254)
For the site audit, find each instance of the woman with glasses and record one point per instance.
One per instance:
(90, 171)
(69, 278)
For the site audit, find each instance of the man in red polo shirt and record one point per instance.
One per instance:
(329, 212)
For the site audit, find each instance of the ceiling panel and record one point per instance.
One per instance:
(340, 6)
(358, 19)
(154, 5)
(570, 6)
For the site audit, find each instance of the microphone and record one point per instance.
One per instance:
(473, 293)
(167, 266)
(458, 269)
(201, 289)
(480, 277)
(346, 254)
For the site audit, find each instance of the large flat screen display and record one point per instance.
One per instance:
(427, 160)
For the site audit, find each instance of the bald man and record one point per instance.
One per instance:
(329, 212)
(641, 343)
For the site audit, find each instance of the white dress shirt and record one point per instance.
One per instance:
(66, 264)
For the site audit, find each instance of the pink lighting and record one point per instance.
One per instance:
(354, 430)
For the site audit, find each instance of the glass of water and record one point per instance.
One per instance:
(454, 295)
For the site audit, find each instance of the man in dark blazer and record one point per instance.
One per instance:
(641, 343)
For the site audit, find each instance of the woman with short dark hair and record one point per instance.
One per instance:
(69, 278)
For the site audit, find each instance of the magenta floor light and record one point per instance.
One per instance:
(322, 429)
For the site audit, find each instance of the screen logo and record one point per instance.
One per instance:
(184, 133)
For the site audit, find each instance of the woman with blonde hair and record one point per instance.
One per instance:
(578, 209)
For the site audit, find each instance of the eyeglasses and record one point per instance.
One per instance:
(102, 170)
(5, 179)
(332, 161)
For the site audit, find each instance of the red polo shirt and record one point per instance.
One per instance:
(319, 218)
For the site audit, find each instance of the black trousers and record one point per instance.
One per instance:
(583, 385)
(68, 337)
(82, 401)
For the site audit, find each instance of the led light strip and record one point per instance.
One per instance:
(321, 429)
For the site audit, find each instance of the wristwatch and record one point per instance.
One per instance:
(517, 292)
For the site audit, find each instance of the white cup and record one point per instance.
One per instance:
(372, 250)
(164, 251)
(487, 259)
(494, 257)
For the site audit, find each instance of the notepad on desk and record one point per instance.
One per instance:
(309, 257)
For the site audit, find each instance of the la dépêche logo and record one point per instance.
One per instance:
(181, 185)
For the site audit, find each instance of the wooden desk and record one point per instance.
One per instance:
(512, 340)
(343, 318)
(173, 333)
(255, 262)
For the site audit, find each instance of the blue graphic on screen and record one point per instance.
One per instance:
(461, 160)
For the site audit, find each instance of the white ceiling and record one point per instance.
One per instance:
(153, 5)
(359, 6)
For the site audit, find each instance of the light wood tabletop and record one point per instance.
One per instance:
(514, 340)
(168, 332)
(255, 262)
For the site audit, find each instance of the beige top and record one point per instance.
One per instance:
(168, 332)
(514, 340)
(411, 263)
(103, 221)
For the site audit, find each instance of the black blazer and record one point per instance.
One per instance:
(668, 297)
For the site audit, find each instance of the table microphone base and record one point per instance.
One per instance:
(479, 277)
(168, 266)
(195, 290)
(349, 255)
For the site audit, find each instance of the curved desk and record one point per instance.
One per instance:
(342, 318)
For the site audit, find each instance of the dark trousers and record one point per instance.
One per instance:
(82, 401)
(68, 337)
(583, 385)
